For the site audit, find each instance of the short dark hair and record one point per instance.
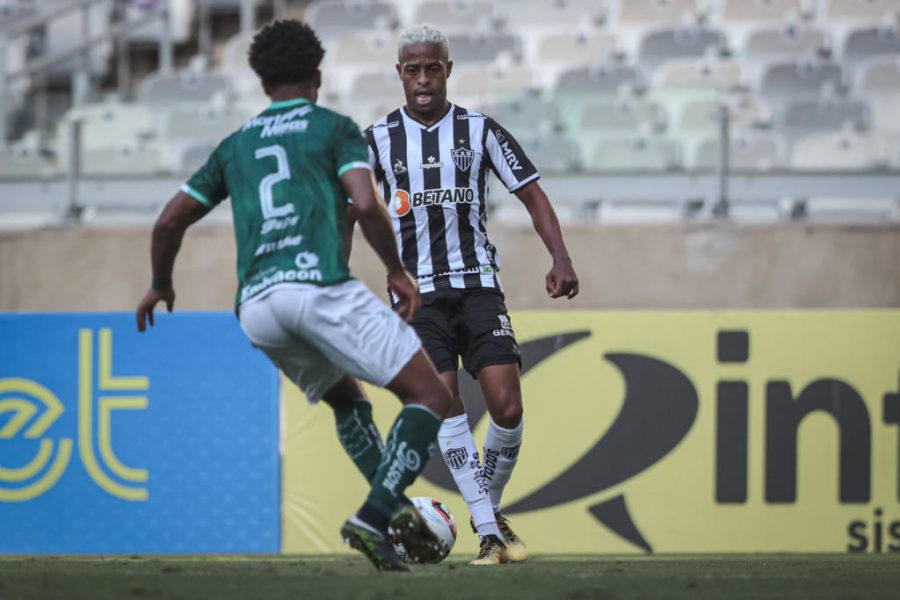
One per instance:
(286, 51)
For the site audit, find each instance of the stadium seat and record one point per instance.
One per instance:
(13, 11)
(852, 209)
(879, 76)
(489, 82)
(576, 48)
(699, 73)
(660, 46)
(743, 11)
(786, 43)
(863, 44)
(477, 48)
(749, 151)
(565, 14)
(181, 18)
(803, 117)
(552, 152)
(886, 114)
(105, 125)
(331, 18)
(786, 81)
(635, 153)
(639, 210)
(658, 13)
(202, 123)
(841, 150)
(160, 90)
(597, 79)
(381, 85)
(24, 161)
(361, 48)
(185, 155)
(126, 158)
(456, 15)
(746, 110)
(526, 113)
(860, 10)
(619, 116)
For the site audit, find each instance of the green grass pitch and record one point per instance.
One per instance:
(840, 577)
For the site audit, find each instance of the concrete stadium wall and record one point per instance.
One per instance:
(671, 266)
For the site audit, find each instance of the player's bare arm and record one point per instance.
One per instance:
(181, 212)
(561, 280)
(353, 217)
(376, 227)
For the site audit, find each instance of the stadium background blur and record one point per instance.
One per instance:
(738, 158)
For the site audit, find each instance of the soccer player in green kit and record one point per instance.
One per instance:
(289, 172)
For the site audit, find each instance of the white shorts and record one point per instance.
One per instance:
(317, 334)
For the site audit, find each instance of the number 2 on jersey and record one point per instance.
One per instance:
(266, 202)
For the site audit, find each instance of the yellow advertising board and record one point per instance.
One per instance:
(745, 431)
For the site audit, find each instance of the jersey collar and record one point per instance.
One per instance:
(288, 103)
(432, 127)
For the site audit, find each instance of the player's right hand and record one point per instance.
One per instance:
(407, 291)
(148, 303)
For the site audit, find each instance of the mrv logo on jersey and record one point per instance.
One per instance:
(401, 203)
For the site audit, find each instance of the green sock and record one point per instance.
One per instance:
(359, 436)
(409, 446)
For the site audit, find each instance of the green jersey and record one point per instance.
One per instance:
(282, 170)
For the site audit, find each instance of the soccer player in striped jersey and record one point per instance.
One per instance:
(289, 172)
(432, 159)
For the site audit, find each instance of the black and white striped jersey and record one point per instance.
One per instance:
(435, 181)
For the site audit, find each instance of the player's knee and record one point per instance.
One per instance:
(509, 414)
(456, 406)
(438, 398)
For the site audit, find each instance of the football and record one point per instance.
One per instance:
(439, 519)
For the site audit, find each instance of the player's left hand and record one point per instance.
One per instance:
(562, 280)
(149, 302)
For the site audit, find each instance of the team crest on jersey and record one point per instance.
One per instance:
(463, 158)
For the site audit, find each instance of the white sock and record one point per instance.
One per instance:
(461, 456)
(501, 451)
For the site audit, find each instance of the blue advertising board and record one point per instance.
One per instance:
(114, 441)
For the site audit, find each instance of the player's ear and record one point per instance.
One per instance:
(317, 79)
(399, 74)
(449, 68)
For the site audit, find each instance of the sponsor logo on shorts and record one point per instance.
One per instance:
(510, 452)
(298, 276)
(456, 458)
(505, 327)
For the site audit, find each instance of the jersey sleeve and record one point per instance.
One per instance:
(207, 186)
(374, 163)
(350, 149)
(507, 159)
